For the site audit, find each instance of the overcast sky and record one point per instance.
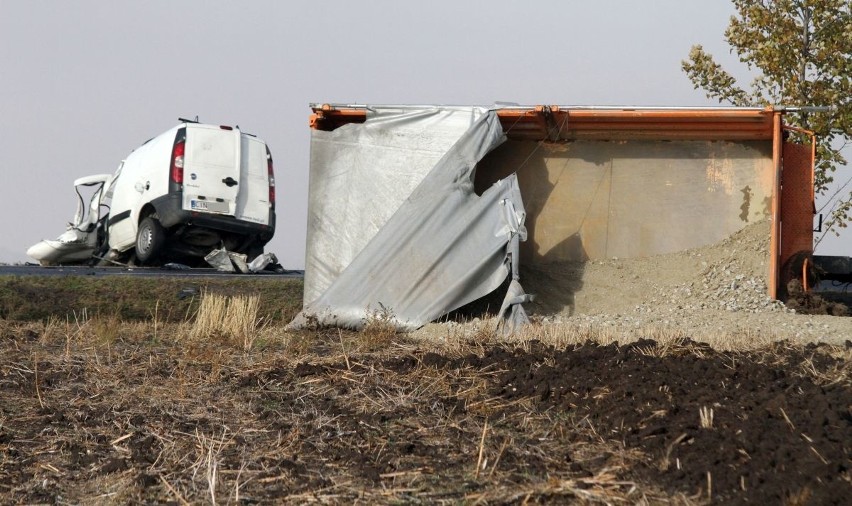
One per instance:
(83, 83)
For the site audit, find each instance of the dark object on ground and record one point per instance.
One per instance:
(812, 303)
(190, 291)
(174, 266)
(834, 268)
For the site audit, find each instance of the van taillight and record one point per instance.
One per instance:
(177, 161)
(271, 178)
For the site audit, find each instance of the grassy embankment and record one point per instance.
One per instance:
(137, 299)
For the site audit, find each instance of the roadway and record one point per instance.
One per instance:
(157, 272)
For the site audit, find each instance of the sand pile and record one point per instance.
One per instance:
(705, 293)
(729, 275)
(711, 293)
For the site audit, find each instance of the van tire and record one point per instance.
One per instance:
(150, 239)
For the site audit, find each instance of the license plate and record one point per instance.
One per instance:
(208, 206)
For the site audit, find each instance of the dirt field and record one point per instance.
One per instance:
(113, 392)
(99, 411)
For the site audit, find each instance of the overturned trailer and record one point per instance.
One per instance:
(406, 201)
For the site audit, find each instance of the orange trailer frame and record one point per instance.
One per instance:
(556, 123)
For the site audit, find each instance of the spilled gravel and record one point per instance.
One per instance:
(701, 293)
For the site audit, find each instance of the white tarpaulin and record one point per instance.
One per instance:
(394, 223)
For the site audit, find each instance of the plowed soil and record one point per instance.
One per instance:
(148, 416)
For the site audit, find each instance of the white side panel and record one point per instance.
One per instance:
(143, 177)
(253, 193)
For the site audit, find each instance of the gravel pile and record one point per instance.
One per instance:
(727, 284)
(706, 293)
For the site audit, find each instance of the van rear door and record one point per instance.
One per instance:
(226, 172)
(253, 193)
(211, 169)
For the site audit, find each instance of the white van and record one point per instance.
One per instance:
(180, 195)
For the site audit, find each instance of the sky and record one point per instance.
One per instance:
(84, 83)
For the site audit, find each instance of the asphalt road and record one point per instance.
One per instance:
(77, 270)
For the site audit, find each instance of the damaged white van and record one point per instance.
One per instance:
(187, 191)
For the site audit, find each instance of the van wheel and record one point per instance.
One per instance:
(150, 239)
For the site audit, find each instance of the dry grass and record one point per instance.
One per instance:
(379, 329)
(235, 318)
(705, 416)
(567, 334)
(226, 407)
(166, 420)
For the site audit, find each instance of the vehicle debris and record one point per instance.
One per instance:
(175, 198)
(80, 239)
(228, 261)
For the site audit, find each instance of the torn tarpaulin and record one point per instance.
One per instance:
(512, 314)
(361, 174)
(444, 246)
